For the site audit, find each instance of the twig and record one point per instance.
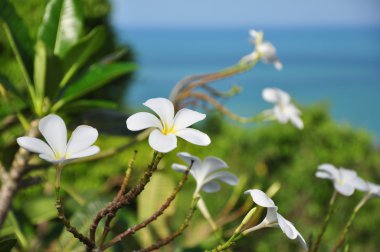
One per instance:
(8, 122)
(219, 107)
(183, 83)
(154, 216)
(61, 215)
(178, 232)
(127, 198)
(121, 192)
(326, 221)
(10, 185)
(350, 221)
(30, 181)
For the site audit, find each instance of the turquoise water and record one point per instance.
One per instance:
(337, 66)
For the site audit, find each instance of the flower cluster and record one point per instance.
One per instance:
(264, 50)
(164, 126)
(284, 110)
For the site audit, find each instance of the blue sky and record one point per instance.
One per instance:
(245, 13)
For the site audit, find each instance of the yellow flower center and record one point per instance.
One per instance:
(167, 130)
(58, 155)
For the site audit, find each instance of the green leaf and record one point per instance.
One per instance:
(4, 81)
(47, 71)
(96, 77)
(17, 29)
(61, 26)
(88, 104)
(40, 69)
(81, 52)
(151, 199)
(41, 210)
(20, 41)
(7, 243)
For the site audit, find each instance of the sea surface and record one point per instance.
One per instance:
(338, 66)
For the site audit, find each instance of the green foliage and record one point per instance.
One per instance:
(64, 55)
(7, 243)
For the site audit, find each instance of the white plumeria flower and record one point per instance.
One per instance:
(167, 126)
(264, 50)
(345, 180)
(273, 218)
(206, 173)
(284, 110)
(57, 149)
(373, 189)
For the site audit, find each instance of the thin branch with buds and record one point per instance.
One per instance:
(113, 207)
(121, 192)
(154, 216)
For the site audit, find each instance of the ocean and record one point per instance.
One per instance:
(338, 66)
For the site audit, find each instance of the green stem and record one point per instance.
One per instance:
(326, 221)
(344, 233)
(237, 233)
(61, 213)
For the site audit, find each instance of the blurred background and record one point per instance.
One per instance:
(331, 56)
(330, 50)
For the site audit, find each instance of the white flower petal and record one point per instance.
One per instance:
(162, 143)
(212, 164)
(211, 187)
(347, 174)
(92, 150)
(188, 158)
(324, 175)
(253, 33)
(297, 121)
(143, 120)
(260, 198)
(35, 145)
(179, 168)
(344, 189)
(196, 169)
(287, 227)
(51, 159)
(187, 117)
(275, 95)
(194, 136)
(267, 52)
(256, 37)
(163, 108)
(271, 216)
(359, 184)
(280, 115)
(53, 128)
(226, 177)
(302, 241)
(374, 189)
(278, 65)
(330, 169)
(82, 137)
